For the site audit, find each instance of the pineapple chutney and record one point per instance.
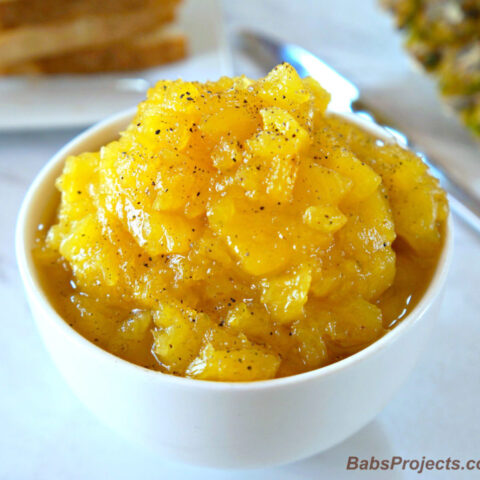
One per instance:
(237, 232)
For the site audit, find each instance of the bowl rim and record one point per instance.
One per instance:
(35, 291)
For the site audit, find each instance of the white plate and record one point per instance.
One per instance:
(78, 100)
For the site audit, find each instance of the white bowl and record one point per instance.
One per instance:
(224, 425)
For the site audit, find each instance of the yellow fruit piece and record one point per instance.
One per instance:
(179, 334)
(176, 96)
(136, 325)
(283, 87)
(370, 227)
(179, 185)
(321, 97)
(253, 322)
(281, 123)
(355, 323)
(311, 344)
(157, 127)
(320, 185)
(364, 180)
(227, 120)
(281, 180)
(93, 257)
(242, 365)
(285, 296)
(324, 218)
(133, 337)
(77, 173)
(276, 146)
(258, 248)
(160, 233)
(227, 154)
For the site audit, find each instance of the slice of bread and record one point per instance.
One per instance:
(148, 50)
(16, 13)
(50, 39)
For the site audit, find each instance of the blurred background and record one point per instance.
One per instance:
(65, 65)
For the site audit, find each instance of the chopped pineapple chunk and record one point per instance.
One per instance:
(324, 218)
(241, 365)
(285, 296)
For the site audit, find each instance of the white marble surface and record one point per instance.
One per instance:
(45, 433)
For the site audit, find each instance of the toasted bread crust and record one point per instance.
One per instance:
(18, 13)
(56, 38)
(125, 55)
